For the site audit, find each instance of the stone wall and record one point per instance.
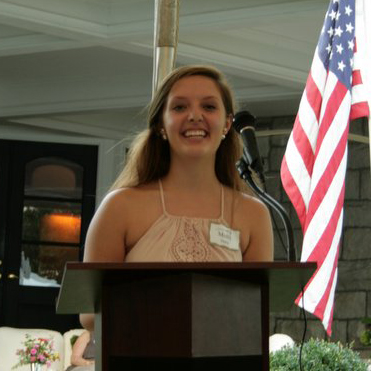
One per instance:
(353, 293)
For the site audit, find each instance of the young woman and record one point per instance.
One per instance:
(179, 198)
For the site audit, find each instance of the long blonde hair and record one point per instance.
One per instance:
(149, 155)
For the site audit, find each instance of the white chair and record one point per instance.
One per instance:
(278, 341)
(11, 340)
(67, 344)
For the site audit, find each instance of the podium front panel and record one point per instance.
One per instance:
(226, 317)
(188, 315)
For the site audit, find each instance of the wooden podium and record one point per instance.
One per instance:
(181, 316)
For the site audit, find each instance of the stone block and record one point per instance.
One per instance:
(339, 331)
(357, 214)
(365, 354)
(263, 123)
(298, 235)
(354, 275)
(280, 140)
(294, 312)
(355, 329)
(359, 126)
(294, 218)
(283, 122)
(275, 158)
(350, 305)
(358, 156)
(357, 243)
(279, 248)
(273, 185)
(365, 184)
(295, 329)
(263, 146)
(280, 241)
(369, 303)
(352, 185)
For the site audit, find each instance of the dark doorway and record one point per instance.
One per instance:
(47, 199)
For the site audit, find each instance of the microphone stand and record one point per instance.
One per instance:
(245, 174)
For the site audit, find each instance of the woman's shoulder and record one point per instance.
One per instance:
(128, 195)
(245, 201)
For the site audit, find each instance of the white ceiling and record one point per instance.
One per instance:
(85, 66)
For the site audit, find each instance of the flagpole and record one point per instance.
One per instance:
(363, 35)
(165, 39)
(367, 20)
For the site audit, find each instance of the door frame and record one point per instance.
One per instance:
(107, 158)
(110, 155)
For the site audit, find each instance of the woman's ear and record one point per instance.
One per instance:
(229, 121)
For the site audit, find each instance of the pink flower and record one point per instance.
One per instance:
(33, 351)
(41, 358)
(32, 359)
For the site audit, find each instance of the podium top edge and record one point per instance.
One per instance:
(185, 266)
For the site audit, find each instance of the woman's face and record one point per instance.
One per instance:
(194, 117)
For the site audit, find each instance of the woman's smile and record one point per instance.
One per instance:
(195, 133)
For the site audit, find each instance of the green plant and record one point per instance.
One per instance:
(365, 337)
(317, 355)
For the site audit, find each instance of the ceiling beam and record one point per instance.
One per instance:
(67, 125)
(50, 23)
(37, 43)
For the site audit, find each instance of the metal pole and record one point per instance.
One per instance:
(165, 39)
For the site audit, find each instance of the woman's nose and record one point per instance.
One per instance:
(195, 115)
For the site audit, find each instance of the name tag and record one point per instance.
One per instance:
(224, 236)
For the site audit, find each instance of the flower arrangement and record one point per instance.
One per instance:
(38, 351)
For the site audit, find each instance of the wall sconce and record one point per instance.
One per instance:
(60, 227)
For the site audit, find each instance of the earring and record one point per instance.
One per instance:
(163, 134)
(225, 131)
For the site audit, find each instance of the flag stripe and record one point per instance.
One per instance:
(315, 289)
(329, 312)
(359, 110)
(357, 78)
(303, 146)
(297, 199)
(322, 218)
(334, 94)
(328, 160)
(314, 98)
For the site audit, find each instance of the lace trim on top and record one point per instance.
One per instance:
(191, 244)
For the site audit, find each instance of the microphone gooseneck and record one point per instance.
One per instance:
(244, 124)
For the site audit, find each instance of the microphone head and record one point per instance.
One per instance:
(243, 119)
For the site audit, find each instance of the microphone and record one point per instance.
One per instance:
(244, 124)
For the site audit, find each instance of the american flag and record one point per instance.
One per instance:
(314, 166)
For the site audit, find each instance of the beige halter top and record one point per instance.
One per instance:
(181, 239)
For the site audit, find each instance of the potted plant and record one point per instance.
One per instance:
(317, 355)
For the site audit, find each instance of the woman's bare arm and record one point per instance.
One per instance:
(78, 350)
(105, 240)
(255, 217)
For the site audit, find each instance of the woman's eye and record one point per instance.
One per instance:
(209, 107)
(179, 108)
